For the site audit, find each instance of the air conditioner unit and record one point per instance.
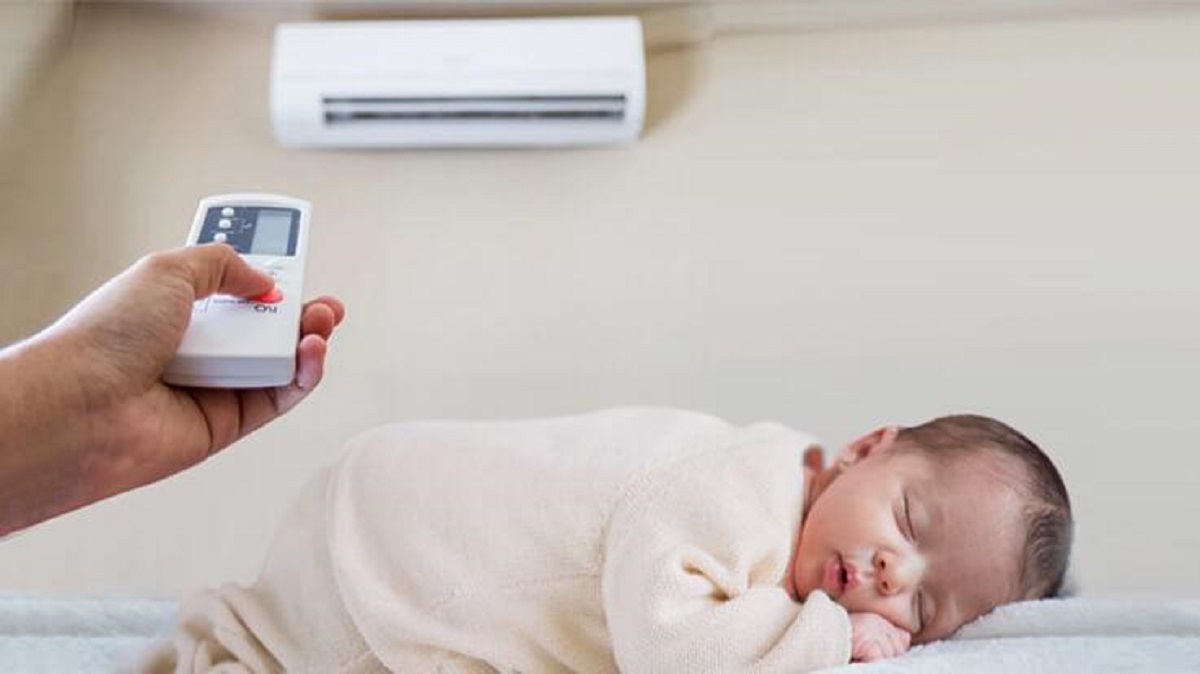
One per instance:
(520, 82)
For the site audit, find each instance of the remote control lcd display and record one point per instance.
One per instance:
(272, 231)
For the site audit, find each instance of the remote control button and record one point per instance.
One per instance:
(273, 296)
(225, 223)
(227, 212)
(220, 237)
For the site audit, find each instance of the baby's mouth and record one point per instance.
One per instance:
(836, 576)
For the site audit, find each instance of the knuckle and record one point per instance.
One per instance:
(160, 263)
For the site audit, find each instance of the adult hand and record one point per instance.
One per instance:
(872, 638)
(92, 404)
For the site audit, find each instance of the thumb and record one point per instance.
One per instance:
(217, 268)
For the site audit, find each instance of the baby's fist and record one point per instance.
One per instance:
(874, 638)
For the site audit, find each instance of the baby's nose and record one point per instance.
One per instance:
(892, 576)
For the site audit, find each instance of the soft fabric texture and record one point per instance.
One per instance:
(1047, 637)
(1063, 635)
(80, 636)
(88, 636)
(649, 540)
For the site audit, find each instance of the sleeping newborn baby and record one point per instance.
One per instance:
(637, 540)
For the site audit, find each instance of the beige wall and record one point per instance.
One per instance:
(31, 35)
(831, 229)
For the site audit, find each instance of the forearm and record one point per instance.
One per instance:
(43, 429)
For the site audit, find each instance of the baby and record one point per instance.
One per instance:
(637, 540)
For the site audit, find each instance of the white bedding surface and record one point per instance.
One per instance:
(1083, 635)
(1063, 635)
(49, 636)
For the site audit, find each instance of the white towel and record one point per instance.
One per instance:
(81, 636)
(1053, 636)
(1063, 635)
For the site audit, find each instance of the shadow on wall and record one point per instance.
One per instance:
(665, 28)
(671, 76)
(676, 32)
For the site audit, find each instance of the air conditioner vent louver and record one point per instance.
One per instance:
(367, 109)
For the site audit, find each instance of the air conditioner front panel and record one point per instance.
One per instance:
(464, 90)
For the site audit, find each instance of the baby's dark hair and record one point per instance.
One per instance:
(1048, 523)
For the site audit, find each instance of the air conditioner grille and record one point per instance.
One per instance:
(347, 110)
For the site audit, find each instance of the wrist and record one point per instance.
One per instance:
(43, 431)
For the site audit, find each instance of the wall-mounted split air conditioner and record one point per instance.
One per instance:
(525, 82)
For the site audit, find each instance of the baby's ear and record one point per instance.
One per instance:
(878, 440)
(814, 458)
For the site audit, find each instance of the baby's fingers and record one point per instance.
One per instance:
(900, 641)
(872, 651)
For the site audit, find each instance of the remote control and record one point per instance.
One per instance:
(238, 343)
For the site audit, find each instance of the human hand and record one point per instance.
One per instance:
(116, 425)
(874, 638)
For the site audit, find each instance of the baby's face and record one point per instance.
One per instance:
(927, 545)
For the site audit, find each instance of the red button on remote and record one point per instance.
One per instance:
(272, 296)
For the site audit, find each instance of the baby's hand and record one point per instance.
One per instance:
(874, 638)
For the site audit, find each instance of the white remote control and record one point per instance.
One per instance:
(237, 343)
